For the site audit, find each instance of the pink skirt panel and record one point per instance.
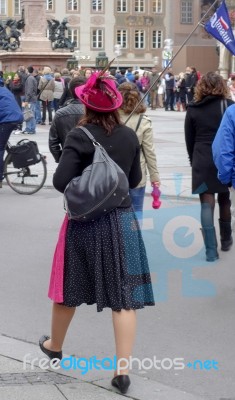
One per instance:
(55, 291)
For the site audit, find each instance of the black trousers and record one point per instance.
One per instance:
(170, 97)
(46, 105)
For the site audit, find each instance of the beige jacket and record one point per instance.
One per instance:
(148, 158)
(48, 93)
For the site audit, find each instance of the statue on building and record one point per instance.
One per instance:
(57, 34)
(10, 34)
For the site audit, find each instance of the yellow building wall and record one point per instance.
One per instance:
(10, 8)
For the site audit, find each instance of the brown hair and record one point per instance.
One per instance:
(107, 120)
(74, 83)
(131, 97)
(211, 84)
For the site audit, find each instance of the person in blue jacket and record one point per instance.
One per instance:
(10, 116)
(223, 149)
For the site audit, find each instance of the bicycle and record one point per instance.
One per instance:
(25, 180)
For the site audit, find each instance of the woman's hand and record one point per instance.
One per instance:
(156, 184)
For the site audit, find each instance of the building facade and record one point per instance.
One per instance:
(135, 30)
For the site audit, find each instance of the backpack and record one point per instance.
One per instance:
(102, 187)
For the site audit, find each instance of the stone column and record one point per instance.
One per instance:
(34, 36)
(224, 62)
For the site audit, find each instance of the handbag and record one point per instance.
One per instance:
(28, 114)
(24, 153)
(102, 187)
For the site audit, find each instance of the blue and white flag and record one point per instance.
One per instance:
(219, 26)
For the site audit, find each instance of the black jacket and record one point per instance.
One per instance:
(78, 154)
(191, 80)
(201, 124)
(65, 119)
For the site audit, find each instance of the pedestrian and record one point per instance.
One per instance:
(30, 90)
(142, 125)
(2, 81)
(38, 114)
(170, 90)
(88, 72)
(232, 87)
(102, 255)
(145, 82)
(154, 89)
(191, 79)
(180, 92)
(129, 75)
(10, 116)
(161, 92)
(66, 96)
(59, 88)
(65, 119)
(15, 85)
(121, 78)
(47, 88)
(202, 120)
(224, 157)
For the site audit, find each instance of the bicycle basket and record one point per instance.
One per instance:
(24, 153)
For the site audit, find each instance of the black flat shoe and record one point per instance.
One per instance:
(121, 382)
(51, 354)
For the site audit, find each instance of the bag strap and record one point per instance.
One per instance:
(88, 133)
(39, 94)
(138, 123)
(223, 106)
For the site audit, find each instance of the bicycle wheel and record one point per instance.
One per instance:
(27, 180)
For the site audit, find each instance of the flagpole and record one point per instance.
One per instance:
(169, 62)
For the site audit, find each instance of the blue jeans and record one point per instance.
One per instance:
(38, 115)
(5, 131)
(31, 124)
(56, 104)
(137, 198)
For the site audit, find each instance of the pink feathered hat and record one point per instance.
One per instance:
(100, 93)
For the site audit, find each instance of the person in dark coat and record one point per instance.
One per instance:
(105, 261)
(191, 78)
(65, 119)
(201, 123)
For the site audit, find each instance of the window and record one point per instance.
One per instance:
(139, 39)
(97, 5)
(122, 38)
(3, 7)
(157, 6)
(157, 40)
(17, 7)
(186, 12)
(139, 5)
(121, 5)
(72, 5)
(97, 38)
(50, 5)
(73, 35)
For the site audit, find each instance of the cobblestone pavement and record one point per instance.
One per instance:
(35, 378)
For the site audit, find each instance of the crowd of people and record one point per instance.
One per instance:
(99, 255)
(45, 91)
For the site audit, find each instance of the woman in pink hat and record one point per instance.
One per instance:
(105, 260)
